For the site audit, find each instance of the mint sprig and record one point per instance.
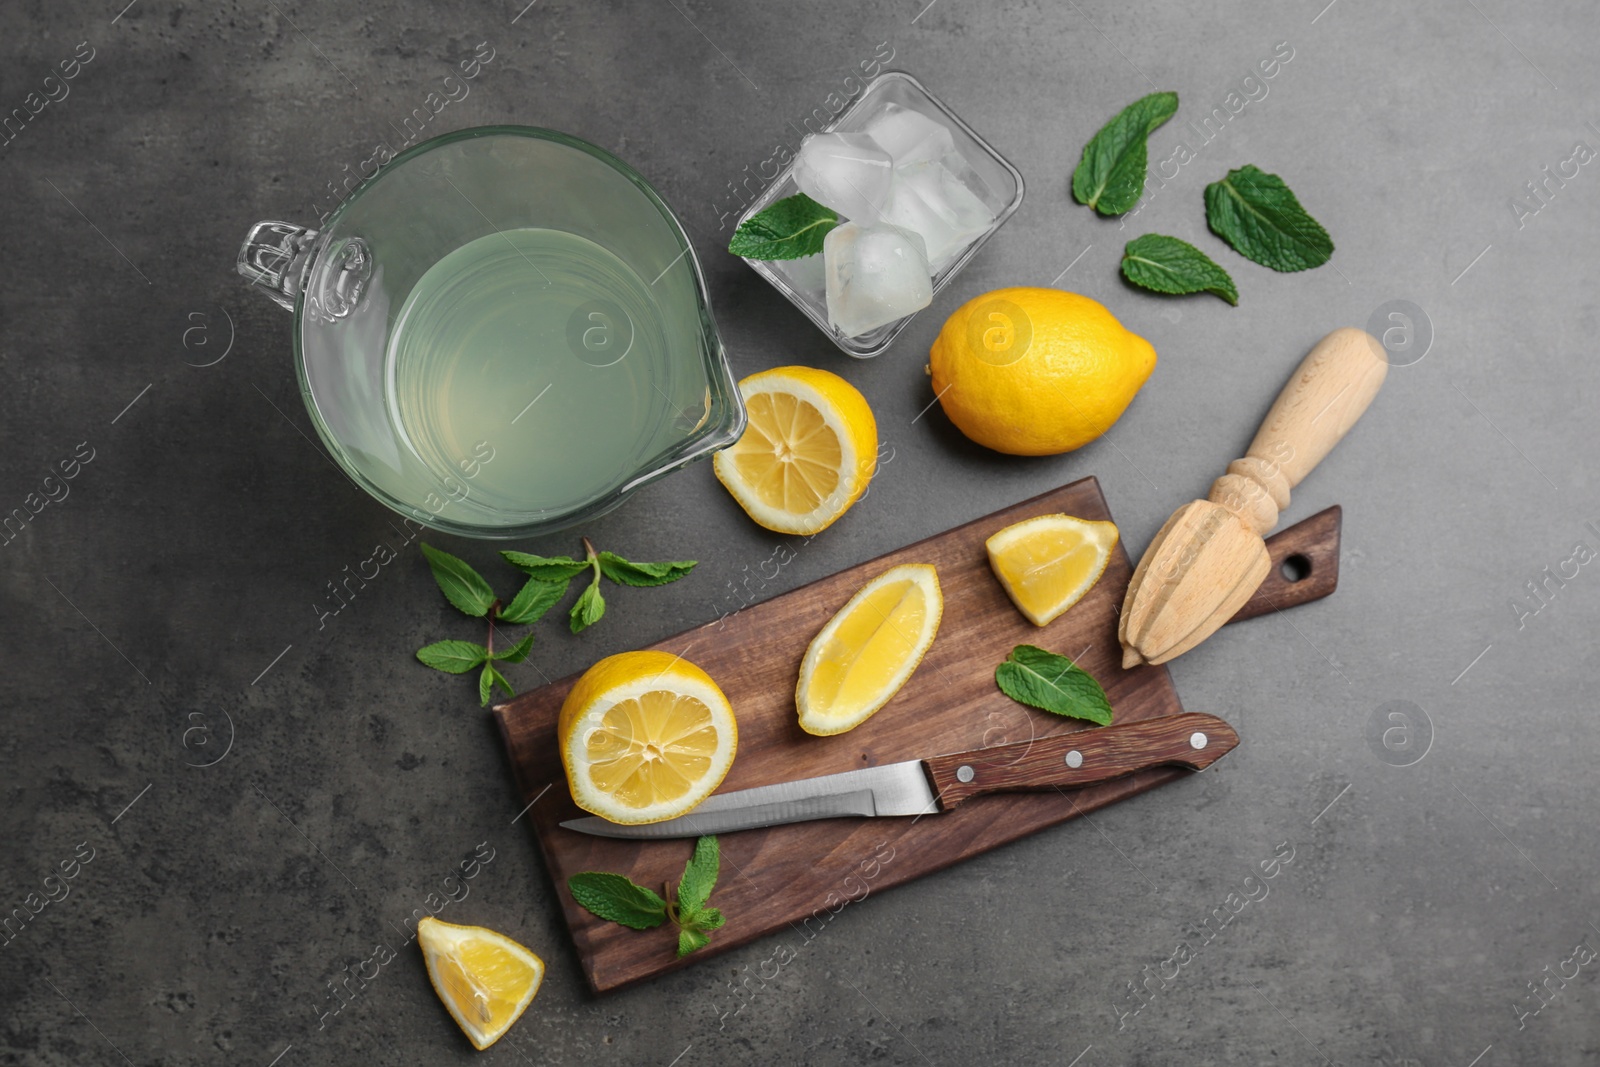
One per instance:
(618, 899)
(1260, 217)
(459, 657)
(590, 607)
(1165, 264)
(547, 582)
(791, 228)
(471, 594)
(1110, 175)
(1052, 682)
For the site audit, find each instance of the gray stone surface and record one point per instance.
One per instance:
(171, 591)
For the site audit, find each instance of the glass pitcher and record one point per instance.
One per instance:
(502, 333)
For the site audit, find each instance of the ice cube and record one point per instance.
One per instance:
(915, 140)
(929, 200)
(910, 137)
(848, 172)
(875, 275)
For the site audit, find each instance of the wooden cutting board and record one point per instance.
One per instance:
(797, 876)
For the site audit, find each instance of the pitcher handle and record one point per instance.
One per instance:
(275, 256)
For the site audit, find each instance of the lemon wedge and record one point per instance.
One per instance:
(485, 979)
(868, 650)
(807, 453)
(1048, 563)
(644, 737)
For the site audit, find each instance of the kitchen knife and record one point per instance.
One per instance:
(939, 783)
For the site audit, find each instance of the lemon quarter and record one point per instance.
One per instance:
(1049, 562)
(485, 979)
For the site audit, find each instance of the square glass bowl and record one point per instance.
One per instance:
(801, 280)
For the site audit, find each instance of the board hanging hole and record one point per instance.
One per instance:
(1295, 568)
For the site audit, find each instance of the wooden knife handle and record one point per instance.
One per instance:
(1084, 757)
(1326, 395)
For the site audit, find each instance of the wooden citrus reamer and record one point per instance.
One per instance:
(1210, 556)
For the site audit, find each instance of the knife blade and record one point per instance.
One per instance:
(939, 783)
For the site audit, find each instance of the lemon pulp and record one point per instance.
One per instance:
(869, 646)
(788, 455)
(485, 979)
(654, 747)
(867, 651)
(809, 448)
(1048, 563)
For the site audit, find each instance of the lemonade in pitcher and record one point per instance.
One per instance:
(503, 333)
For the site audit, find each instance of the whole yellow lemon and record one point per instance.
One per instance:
(1034, 372)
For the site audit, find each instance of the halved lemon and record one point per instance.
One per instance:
(1048, 563)
(807, 453)
(868, 650)
(644, 737)
(485, 979)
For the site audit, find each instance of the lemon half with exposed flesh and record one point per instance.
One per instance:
(807, 453)
(645, 736)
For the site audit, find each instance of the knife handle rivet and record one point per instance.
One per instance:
(1074, 759)
(1197, 740)
(965, 773)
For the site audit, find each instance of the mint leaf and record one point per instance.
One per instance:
(588, 609)
(699, 877)
(1167, 265)
(625, 572)
(792, 228)
(546, 568)
(690, 939)
(618, 900)
(453, 657)
(1052, 683)
(486, 683)
(461, 585)
(1110, 175)
(517, 652)
(536, 597)
(1257, 214)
